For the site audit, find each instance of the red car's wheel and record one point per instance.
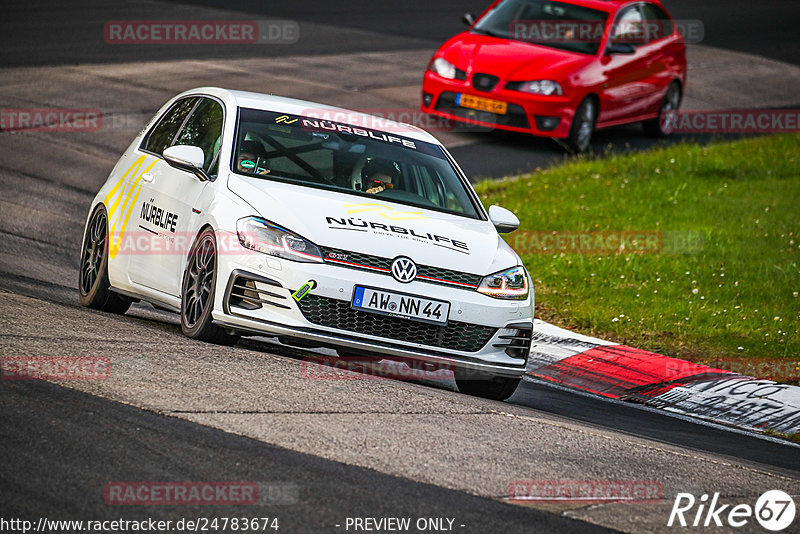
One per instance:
(580, 133)
(662, 125)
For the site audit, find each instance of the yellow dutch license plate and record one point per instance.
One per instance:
(482, 104)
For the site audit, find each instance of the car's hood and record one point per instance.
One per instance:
(509, 59)
(358, 224)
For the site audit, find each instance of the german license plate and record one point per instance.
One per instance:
(400, 305)
(482, 104)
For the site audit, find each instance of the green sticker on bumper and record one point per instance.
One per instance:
(304, 289)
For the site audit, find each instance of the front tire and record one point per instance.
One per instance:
(582, 128)
(488, 387)
(94, 288)
(661, 126)
(197, 293)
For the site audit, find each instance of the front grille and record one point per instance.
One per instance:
(484, 82)
(377, 264)
(514, 116)
(338, 314)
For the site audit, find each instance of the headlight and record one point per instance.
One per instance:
(260, 235)
(537, 87)
(443, 68)
(511, 284)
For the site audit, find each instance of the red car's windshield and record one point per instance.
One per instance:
(542, 22)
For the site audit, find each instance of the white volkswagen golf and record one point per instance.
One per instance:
(251, 214)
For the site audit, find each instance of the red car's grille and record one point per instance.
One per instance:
(514, 116)
(484, 82)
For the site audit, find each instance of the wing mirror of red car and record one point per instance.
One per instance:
(468, 19)
(620, 48)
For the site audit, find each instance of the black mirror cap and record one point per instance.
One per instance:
(620, 48)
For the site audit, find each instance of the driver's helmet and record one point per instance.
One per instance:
(248, 149)
(379, 166)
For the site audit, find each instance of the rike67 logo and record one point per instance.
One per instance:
(774, 510)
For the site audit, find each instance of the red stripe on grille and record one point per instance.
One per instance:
(358, 265)
(447, 281)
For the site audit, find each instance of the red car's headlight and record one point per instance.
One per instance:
(537, 87)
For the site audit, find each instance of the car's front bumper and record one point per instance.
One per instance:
(549, 116)
(488, 329)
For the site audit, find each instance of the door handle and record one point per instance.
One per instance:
(147, 177)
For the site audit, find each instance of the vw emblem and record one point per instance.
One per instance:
(404, 269)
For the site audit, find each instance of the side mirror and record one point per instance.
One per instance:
(468, 19)
(187, 158)
(504, 220)
(620, 48)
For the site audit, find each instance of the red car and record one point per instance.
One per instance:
(560, 69)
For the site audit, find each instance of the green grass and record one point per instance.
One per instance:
(731, 295)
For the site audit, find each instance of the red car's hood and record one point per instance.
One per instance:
(509, 59)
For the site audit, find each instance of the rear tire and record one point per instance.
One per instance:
(486, 386)
(94, 288)
(197, 293)
(660, 126)
(582, 127)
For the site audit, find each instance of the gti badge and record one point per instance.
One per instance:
(404, 269)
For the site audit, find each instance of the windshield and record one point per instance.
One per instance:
(349, 159)
(553, 24)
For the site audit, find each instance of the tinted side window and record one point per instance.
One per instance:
(204, 129)
(658, 23)
(162, 135)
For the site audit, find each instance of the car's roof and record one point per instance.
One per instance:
(315, 110)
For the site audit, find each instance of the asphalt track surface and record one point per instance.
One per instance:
(61, 445)
(68, 445)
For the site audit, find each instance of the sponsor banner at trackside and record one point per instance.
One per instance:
(55, 368)
(200, 32)
(616, 371)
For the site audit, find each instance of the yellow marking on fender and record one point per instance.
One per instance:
(129, 185)
(385, 211)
